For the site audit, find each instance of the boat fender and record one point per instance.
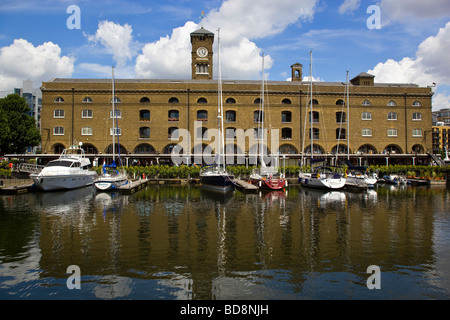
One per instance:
(286, 183)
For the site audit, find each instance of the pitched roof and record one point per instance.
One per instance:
(202, 31)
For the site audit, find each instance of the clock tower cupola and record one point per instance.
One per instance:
(202, 54)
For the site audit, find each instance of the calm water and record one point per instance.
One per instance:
(178, 242)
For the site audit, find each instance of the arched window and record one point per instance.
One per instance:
(89, 148)
(257, 101)
(86, 100)
(287, 149)
(392, 103)
(58, 148)
(173, 100)
(202, 100)
(314, 102)
(317, 149)
(366, 103)
(230, 100)
(286, 101)
(417, 104)
(340, 102)
(173, 148)
(392, 148)
(367, 148)
(59, 100)
(144, 100)
(144, 148)
(117, 100)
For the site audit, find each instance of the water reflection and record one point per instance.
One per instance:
(172, 242)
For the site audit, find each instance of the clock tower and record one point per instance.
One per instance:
(202, 54)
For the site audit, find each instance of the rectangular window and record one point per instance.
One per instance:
(58, 113)
(58, 131)
(85, 114)
(392, 132)
(392, 116)
(417, 116)
(86, 131)
(118, 114)
(417, 132)
(366, 116)
(366, 132)
(116, 131)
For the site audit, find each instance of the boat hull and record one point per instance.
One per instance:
(269, 184)
(217, 183)
(311, 181)
(110, 183)
(50, 183)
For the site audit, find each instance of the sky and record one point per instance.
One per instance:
(401, 41)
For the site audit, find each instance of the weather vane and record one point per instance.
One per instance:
(202, 16)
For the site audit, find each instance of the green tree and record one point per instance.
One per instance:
(17, 129)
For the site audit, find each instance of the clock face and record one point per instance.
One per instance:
(202, 52)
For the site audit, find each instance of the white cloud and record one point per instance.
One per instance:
(441, 101)
(349, 6)
(116, 39)
(413, 10)
(22, 60)
(430, 65)
(169, 57)
(239, 21)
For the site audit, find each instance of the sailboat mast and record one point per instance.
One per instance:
(261, 115)
(348, 121)
(311, 104)
(113, 116)
(219, 103)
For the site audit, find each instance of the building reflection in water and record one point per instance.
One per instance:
(171, 242)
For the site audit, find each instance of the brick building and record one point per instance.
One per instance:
(385, 120)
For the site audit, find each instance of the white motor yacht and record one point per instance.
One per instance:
(69, 171)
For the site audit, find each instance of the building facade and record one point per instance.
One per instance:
(381, 119)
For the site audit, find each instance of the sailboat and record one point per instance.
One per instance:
(321, 177)
(111, 178)
(265, 177)
(215, 177)
(358, 177)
